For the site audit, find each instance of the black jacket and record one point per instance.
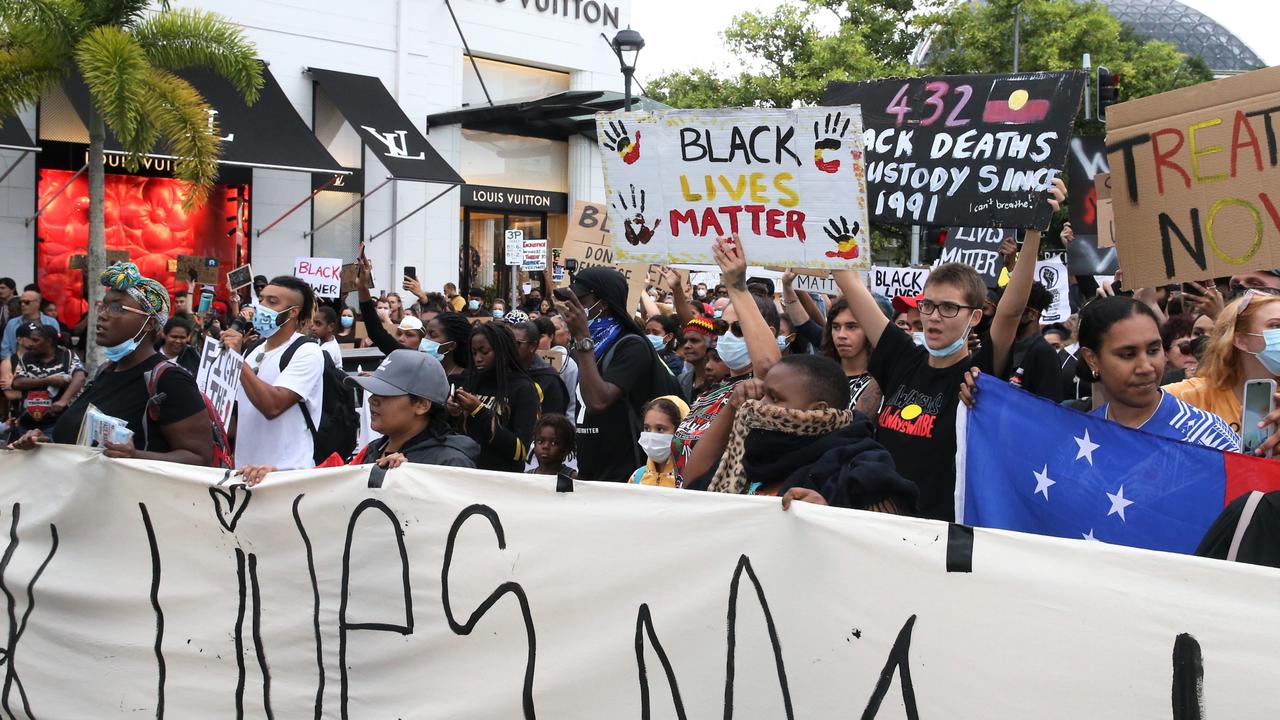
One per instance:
(429, 448)
(555, 396)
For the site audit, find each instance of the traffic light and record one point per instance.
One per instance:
(934, 240)
(1108, 91)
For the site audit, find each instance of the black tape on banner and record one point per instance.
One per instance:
(959, 548)
(376, 475)
(564, 483)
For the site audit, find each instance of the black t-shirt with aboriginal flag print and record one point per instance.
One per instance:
(917, 421)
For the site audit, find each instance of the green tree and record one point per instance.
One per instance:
(793, 52)
(127, 56)
(1055, 35)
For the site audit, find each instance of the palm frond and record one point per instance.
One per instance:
(24, 75)
(115, 68)
(120, 13)
(188, 38)
(182, 119)
(58, 22)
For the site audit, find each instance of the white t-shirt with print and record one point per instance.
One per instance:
(284, 442)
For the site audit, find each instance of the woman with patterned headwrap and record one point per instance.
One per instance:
(130, 316)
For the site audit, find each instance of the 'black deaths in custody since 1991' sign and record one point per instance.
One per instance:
(964, 150)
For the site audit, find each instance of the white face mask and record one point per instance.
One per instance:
(656, 445)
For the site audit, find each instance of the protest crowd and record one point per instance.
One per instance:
(747, 385)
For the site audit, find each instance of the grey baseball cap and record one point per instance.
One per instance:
(408, 372)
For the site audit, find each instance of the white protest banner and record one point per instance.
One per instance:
(164, 591)
(893, 281)
(534, 255)
(324, 275)
(1053, 275)
(790, 183)
(219, 376)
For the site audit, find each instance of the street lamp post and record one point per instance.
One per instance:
(627, 44)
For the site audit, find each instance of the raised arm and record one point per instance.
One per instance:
(1004, 326)
(684, 309)
(862, 303)
(791, 301)
(762, 343)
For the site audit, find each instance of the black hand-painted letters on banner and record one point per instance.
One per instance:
(964, 150)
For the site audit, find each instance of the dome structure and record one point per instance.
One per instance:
(1193, 32)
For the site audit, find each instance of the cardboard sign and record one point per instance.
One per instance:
(80, 260)
(205, 269)
(979, 248)
(964, 150)
(350, 271)
(1053, 275)
(324, 275)
(219, 376)
(658, 279)
(588, 242)
(449, 571)
(1195, 181)
(240, 277)
(1106, 218)
(534, 254)
(554, 359)
(892, 282)
(788, 182)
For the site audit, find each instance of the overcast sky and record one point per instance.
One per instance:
(694, 40)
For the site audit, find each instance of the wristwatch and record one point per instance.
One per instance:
(585, 344)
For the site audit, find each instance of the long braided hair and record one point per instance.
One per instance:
(506, 358)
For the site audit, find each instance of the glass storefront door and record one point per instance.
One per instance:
(484, 262)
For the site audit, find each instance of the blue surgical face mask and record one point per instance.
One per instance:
(733, 351)
(267, 321)
(718, 314)
(348, 321)
(1269, 356)
(919, 338)
(657, 341)
(473, 304)
(116, 353)
(783, 342)
(431, 347)
(955, 346)
(497, 314)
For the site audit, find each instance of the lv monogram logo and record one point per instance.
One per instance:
(213, 119)
(397, 144)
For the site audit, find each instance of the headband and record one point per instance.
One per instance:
(150, 294)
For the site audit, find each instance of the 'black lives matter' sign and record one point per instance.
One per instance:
(964, 150)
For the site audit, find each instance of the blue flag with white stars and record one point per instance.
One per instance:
(1026, 464)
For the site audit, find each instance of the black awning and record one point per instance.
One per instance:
(269, 135)
(365, 103)
(552, 117)
(13, 136)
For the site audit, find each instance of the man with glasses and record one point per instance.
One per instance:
(921, 384)
(30, 312)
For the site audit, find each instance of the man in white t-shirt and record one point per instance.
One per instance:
(270, 426)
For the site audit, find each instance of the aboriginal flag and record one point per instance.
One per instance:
(1020, 100)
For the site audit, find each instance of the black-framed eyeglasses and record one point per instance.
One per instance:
(945, 309)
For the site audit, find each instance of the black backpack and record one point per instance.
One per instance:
(338, 422)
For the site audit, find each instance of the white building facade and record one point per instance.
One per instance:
(515, 177)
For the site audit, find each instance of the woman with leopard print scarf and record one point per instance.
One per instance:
(792, 435)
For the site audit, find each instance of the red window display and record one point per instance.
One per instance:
(143, 216)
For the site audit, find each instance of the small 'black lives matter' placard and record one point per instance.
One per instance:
(979, 248)
(964, 150)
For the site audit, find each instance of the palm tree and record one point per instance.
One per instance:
(127, 56)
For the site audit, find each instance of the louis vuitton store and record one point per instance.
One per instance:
(424, 131)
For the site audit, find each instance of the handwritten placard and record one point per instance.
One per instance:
(218, 376)
(324, 275)
(979, 248)
(1106, 215)
(964, 150)
(788, 182)
(1194, 180)
(894, 281)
